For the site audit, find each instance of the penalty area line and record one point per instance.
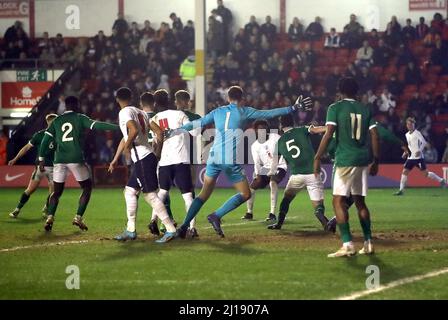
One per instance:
(393, 284)
(44, 245)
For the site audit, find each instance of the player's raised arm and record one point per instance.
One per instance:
(317, 129)
(301, 103)
(97, 125)
(21, 153)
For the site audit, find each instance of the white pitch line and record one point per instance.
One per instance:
(43, 245)
(393, 284)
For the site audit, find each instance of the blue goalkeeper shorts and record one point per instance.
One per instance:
(234, 172)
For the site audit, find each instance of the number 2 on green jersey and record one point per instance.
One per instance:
(356, 125)
(67, 128)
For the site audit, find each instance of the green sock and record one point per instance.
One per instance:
(284, 208)
(320, 214)
(365, 225)
(344, 229)
(81, 209)
(167, 204)
(52, 209)
(23, 199)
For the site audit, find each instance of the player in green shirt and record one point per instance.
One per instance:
(67, 131)
(296, 148)
(351, 121)
(37, 175)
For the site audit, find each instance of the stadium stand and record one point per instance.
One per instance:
(405, 75)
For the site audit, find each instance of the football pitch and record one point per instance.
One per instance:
(410, 236)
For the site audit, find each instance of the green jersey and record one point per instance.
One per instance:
(383, 134)
(353, 120)
(36, 141)
(296, 148)
(192, 116)
(67, 131)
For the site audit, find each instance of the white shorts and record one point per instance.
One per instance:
(313, 184)
(79, 170)
(350, 180)
(39, 175)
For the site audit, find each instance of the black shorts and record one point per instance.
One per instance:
(178, 173)
(262, 181)
(144, 174)
(411, 163)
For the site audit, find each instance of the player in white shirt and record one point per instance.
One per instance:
(416, 144)
(174, 164)
(263, 150)
(135, 126)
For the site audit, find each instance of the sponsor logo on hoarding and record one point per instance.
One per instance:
(9, 178)
(23, 94)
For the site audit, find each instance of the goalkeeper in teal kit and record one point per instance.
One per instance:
(229, 121)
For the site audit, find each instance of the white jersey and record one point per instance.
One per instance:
(175, 149)
(142, 146)
(263, 155)
(416, 143)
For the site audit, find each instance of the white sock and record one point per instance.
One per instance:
(131, 198)
(162, 194)
(159, 208)
(274, 193)
(403, 181)
(433, 176)
(348, 244)
(250, 202)
(188, 199)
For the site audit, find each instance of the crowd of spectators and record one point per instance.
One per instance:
(146, 58)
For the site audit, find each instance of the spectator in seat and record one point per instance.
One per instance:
(214, 37)
(387, 101)
(346, 39)
(332, 39)
(394, 86)
(421, 29)
(437, 22)
(177, 22)
(381, 54)
(295, 30)
(438, 54)
(404, 56)
(415, 102)
(373, 38)
(412, 75)
(14, 33)
(268, 29)
(431, 38)
(227, 19)
(308, 56)
(252, 24)
(331, 83)
(120, 25)
(366, 80)
(351, 71)
(188, 35)
(315, 30)
(353, 26)
(393, 32)
(364, 55)
(241, 36)
(107, 152)
(430, 153)
(148, 29)
(408, 32)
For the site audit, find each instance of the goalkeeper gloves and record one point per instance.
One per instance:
(302, 104)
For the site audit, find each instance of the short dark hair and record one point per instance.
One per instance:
(161, 98)
(147, 99)
(287, 121)
(348, 86)
(182, 95)
(235, 93)
(124, 94)
(72, 103)
(260, 122)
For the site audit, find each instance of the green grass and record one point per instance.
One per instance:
(411, 234)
